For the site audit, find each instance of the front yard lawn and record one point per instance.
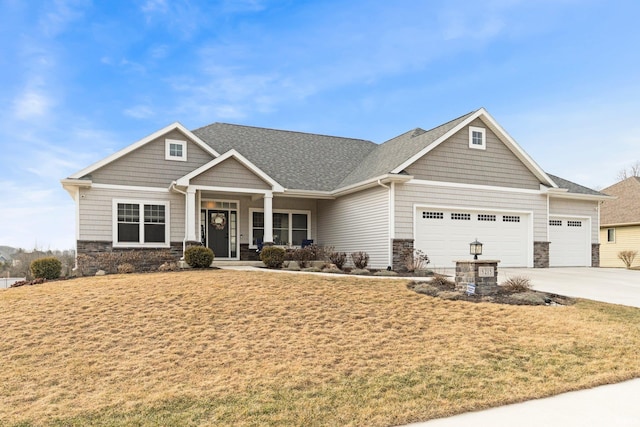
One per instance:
(259, 348)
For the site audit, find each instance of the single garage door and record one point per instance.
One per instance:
(444, 235)
(570, 243)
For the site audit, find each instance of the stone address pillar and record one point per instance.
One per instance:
(481, 273)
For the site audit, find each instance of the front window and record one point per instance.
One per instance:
(611, 235)
(289, 228)
(141, 224)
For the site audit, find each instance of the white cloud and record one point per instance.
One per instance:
(31, 104)
(60, 14)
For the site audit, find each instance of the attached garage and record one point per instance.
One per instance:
(570, 241)
(444, 235)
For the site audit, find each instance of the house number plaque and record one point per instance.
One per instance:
(485, 271)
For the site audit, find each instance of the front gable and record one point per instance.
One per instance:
(230, 173)
(154, 161)
(458, 160)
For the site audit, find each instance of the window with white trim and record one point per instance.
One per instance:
(290, 228)
(477, 138)
(175, 150)
(611, 235)
(140, 223)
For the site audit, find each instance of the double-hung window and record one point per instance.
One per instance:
(140, 223)
(290, 228)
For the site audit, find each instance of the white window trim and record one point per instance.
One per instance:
(167, 151)
(286, 211)
(141, 244)
(614, 235)
(483, 131)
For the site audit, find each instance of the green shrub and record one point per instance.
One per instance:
(272, 256)
(360, 260)
(46, 268)
(199, 257)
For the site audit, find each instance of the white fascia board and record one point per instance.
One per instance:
(184, 181)
(578, 196)
(143, 141)
(502, 135)
(386, 178)
(307, 194)
(437, 142)
(72, 186)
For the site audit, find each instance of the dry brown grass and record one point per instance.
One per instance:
(245, 348)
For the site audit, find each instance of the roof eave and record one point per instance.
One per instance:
(382, 179)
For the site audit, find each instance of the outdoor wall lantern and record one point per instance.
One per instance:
(475, 248)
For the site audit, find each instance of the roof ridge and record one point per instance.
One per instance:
(282, 130)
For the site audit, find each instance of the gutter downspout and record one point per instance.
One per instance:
(184, 241)
(390, 247)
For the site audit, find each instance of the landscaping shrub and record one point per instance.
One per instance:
(627, 257)
(414, 259)
(318, 253)
(516, 284)
(339, 259)
(442, 281)
(126, 268)
(272, 256)
(46, 268)
(198, 257)
(302, 256)
(360, 260)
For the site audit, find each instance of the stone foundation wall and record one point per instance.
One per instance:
(143, 259)
(247, 254)
(541, 254)
(399, 248)
(595, 255)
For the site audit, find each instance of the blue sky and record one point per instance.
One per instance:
(82, 79)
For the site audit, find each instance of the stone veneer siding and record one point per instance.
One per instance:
(93, 248)
(595, 255)
(399, 248)
(541, 254)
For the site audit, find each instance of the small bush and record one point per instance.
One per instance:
(318, 253)
(414, 259)
(46, 268)
(198, 257)
(627, 257)
(272, 256)
(126, 268)
(339, 259)
(442, 281)
(302, 256)
(517, 284)
(360, 260)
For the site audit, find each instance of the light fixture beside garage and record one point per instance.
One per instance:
(475, 248)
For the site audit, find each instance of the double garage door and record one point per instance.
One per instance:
(444, 235)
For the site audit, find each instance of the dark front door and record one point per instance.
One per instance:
(218, 224)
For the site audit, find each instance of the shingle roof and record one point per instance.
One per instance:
(573, 187)
(396, 151)
(626, 208)
(296, 160)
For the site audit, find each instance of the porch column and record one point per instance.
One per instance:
(190, 212)
(268, 218)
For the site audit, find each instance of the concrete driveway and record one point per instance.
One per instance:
(613, 285)
(609, 405)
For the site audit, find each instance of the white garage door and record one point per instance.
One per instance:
(444, 235)
(570, 243)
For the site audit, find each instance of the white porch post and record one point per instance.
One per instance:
(268, 217)
(190, 212)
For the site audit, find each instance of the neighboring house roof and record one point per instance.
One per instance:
(625, 209)
(574, 188)
(296, 160)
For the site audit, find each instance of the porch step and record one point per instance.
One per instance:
(225, 263)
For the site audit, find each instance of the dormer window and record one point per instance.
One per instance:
(175, 150)
(477, 138)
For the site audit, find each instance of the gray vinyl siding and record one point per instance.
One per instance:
(357, 222)
(147, 167)
(454, 161)
(407, 195)
(581, 208)
(230, 173)
(96, 212)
